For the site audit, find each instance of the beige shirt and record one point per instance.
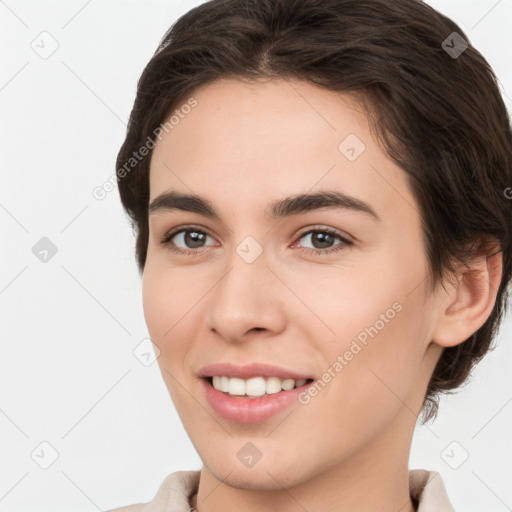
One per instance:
(177, 488)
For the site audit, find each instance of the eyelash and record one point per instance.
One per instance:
(166, 241)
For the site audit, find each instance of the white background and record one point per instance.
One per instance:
(68, 327)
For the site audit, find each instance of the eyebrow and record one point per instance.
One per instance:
(291, 205)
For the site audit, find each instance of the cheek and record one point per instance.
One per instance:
(377, 325)
(342, 301)
(381, 376)
(153, 302)
(164, 312)
(165, 316)
(171, 314)
(166, 297)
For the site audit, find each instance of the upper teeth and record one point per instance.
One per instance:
(256, 386)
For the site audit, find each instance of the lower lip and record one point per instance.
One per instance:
(250, 410)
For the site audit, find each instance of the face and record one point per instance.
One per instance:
(334, 294)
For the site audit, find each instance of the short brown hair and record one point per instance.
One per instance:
(439, 116)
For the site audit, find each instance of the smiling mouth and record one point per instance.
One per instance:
(255, 387)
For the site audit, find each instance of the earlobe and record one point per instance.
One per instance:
(470, 300)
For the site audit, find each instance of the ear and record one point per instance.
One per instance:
(468, 302)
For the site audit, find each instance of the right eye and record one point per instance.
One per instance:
(185, 240)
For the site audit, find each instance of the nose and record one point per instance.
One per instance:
(248, 299)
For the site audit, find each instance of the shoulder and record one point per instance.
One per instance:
(429, 489)
(175, 490)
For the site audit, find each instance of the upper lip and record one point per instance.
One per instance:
(249, 370)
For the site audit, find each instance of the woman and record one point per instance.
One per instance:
(324, 238)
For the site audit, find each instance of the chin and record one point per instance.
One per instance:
(266, 475)
(257, 479)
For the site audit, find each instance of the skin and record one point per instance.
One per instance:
(242, 147)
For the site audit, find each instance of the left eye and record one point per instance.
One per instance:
(324, 239)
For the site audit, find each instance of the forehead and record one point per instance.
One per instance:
(251, 121)
(248, 142)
